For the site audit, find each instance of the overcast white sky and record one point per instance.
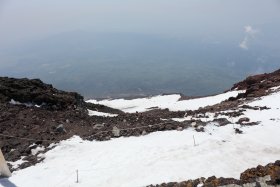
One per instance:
(27, 20)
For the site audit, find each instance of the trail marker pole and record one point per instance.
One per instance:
(194, 141)
(231, 120)
(77, 172)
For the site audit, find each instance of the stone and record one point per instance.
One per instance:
(193, 124)
(264, 108)
(179, 128)
(222, 121)
(60, 128)
(98, 126)
(242, 120)
(116, 131)
(238, 131)
(144, 132)
(199, 129)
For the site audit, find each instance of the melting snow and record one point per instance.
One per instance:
(17, 163)
(165, 101)
(13, 102)
(96, 113)
(37, 149)
(274, 88)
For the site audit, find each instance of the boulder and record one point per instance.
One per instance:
(238, 131)
(222, 121)
(116, 131)
(242, 120)
(60, 128)
(144, 132)
(98, 126)
(179, 128)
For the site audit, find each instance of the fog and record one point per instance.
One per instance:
(35, 19)
(126, 47)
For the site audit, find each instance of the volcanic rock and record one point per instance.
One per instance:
(242, 120)
(222, 121)
(259, 176)
(60, 128)
(116, 131)
(36, 92)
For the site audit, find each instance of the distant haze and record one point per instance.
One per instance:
(125, 48)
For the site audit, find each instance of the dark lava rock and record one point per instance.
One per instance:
(238, 131)
(200, 129)
(249, 176)
(60, 128)
(222, 121)
(249, 107)
(257, 85)
(264, 108)
(242, 120)
(272, 169)
(34, 91)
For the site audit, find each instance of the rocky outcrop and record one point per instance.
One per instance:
(257, 85)
(36, 92)
(272, 170)
(35, 113)
(262, 176)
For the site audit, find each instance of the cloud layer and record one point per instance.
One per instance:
(250, 34)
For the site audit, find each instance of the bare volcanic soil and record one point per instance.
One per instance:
(33, 114)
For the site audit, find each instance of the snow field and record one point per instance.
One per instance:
(161, 156)
(165, 101)
(155, 158)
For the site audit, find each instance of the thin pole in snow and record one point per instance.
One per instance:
(194, 141)
(231, 120)
(77, 172)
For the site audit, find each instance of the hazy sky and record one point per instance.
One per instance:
(28, 20)
(115, 47)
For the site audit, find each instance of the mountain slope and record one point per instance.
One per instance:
(237, 131)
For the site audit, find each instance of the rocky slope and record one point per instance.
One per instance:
(257, 85)
(34, 113)
(37, 93)
(268, 175)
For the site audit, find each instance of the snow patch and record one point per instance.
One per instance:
(37, 149)
(103, 114)
(13, 102)
(171, 102)
(17, 163)
(273, 89)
